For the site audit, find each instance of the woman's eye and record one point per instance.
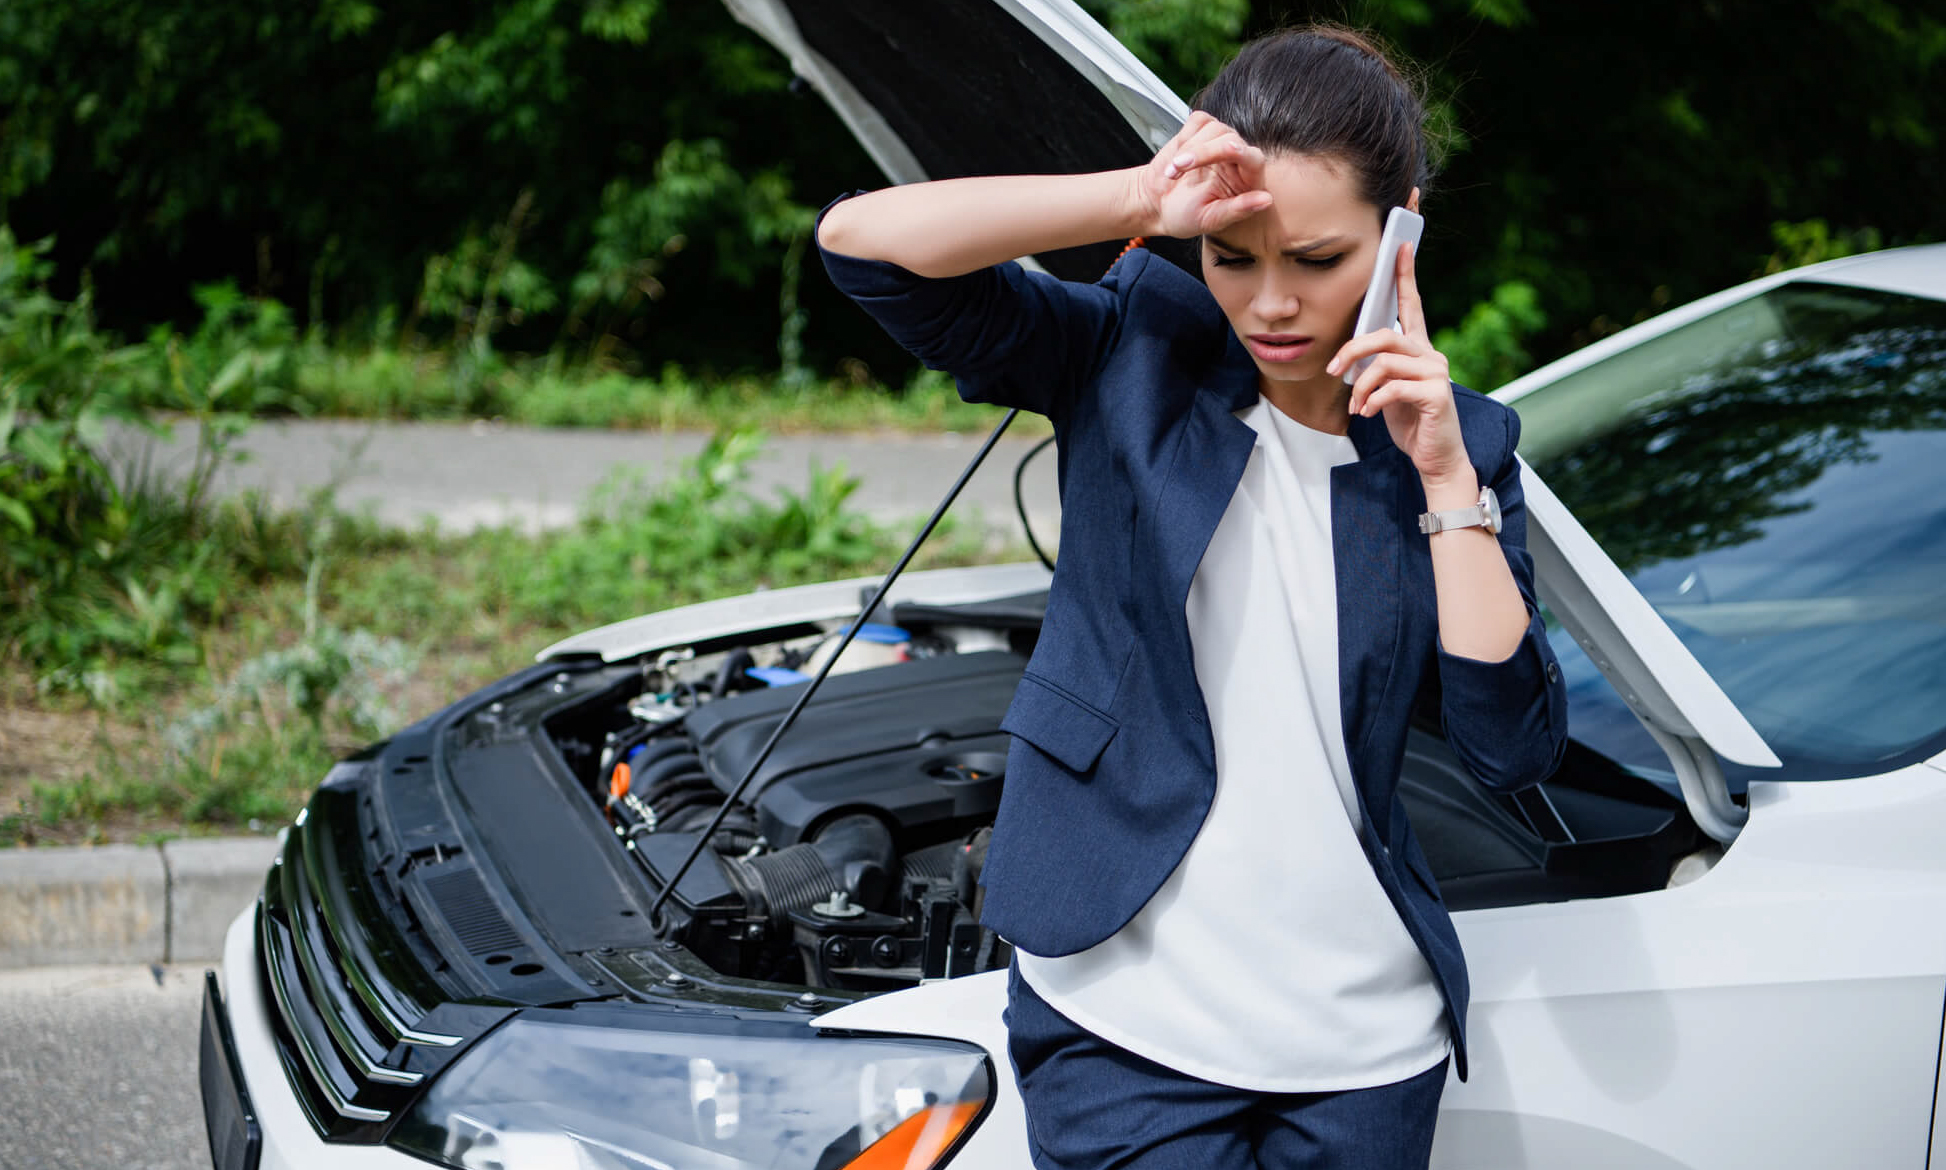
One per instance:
(1222, 261)
(1321, 261)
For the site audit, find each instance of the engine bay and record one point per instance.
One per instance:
(851, 858)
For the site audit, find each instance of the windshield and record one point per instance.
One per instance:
(1772, 477)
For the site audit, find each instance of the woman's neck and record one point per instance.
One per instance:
(1323, 404)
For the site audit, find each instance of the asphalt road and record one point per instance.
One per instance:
(466, 475)
(98, 1068)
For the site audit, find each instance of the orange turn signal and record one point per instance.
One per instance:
(918, 1142)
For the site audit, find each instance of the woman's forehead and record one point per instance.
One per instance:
(1312, 198)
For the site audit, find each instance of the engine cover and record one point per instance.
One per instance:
(919, 743)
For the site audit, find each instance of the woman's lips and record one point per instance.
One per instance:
(1278, 347)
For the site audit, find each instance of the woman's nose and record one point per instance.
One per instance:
(1275, 302)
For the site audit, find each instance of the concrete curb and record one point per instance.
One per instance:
(166, 903)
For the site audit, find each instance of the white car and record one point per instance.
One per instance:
(1716, 938)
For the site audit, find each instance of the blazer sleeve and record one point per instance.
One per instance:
(1008, 336)
(1508, 720)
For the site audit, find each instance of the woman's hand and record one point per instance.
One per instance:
(1205, 179)
(1409, 382)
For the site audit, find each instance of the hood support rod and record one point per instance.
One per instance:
(1701, 778)
(811, 687)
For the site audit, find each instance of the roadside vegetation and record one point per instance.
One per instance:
(175, 662)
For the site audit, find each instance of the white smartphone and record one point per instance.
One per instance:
(1381, 307)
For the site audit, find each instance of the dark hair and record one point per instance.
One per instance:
(1326, 90)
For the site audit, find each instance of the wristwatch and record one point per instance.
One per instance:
(1485, 514)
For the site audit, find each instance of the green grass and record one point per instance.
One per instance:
(369, 629)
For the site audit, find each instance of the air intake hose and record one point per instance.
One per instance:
(853, 853)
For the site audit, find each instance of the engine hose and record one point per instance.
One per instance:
(853, 853)
(934, 861)
(678, 784)
(817, 680)
(679, 787)
(670, 814)
(737, 841)
(777, 883)
(651, 760)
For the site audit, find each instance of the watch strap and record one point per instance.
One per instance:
(1480, 515)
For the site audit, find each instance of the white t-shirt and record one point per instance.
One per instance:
(1270, 959)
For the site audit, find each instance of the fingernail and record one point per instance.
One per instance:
(1182, 160)
(1169, 172)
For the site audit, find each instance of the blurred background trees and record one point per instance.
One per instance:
(628, 182)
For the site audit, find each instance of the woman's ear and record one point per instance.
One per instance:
(1412, 201)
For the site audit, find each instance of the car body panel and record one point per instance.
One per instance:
(1642, 1031)
(826, 601)
(1656, 1017)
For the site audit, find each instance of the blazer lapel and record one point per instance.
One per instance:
(1211, 452)
(1367, 503)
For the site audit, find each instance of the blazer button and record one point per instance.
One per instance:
(1553, 672)
(1195, 714)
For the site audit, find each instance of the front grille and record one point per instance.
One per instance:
(349, 997)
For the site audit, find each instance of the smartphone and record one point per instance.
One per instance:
(1381, 307)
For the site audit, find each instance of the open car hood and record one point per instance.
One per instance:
(951, 88)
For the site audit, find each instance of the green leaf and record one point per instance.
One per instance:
(233, 372)
(17, 512)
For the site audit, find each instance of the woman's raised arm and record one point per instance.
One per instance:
(1205, 178)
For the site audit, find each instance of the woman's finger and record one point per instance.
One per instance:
(1193, 146)
(1412, 311)
(1196, 121)
(1383, 369)
(1376, 402)
(1365, 345)
(1216, 148)
(1237, 208)
(1407, 370)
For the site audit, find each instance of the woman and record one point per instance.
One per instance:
(1229, 947)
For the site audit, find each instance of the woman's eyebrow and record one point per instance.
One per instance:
(1303, 250)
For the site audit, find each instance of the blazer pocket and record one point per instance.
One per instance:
(1058, 724)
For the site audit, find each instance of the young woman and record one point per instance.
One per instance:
(1229, 948)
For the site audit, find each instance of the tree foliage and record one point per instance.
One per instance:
(630, 180)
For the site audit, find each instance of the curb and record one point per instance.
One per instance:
(168, 903)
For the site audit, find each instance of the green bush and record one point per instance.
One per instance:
(102, 572)
(696, 536)
(1486, 349)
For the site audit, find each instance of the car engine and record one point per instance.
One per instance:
(852, 858)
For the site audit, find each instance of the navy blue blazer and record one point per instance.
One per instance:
(1113, 767)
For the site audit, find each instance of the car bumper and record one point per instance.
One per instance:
(967, 1009)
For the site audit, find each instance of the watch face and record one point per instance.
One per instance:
(1490, 504)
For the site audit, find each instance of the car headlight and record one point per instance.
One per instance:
(558, 1090)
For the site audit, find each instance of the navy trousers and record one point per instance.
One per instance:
(1094, 1106)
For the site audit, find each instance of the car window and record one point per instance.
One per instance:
(1772, 477)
